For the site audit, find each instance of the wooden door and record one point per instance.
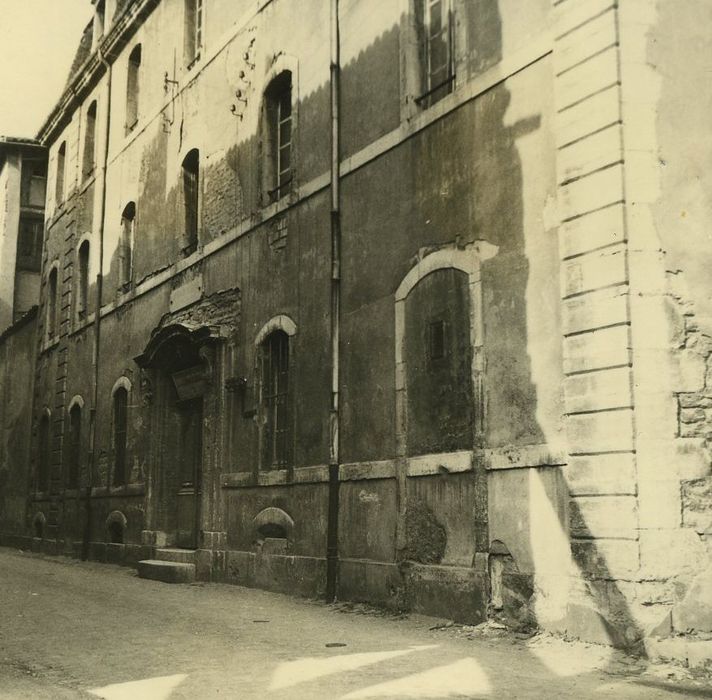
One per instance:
(190, 457)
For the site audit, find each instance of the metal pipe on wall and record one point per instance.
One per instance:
(97, 313)
(332, 551)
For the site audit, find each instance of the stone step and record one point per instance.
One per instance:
(185, 556)
(166, 571)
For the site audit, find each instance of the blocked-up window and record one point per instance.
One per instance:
(278, 115)
(120, 433)
(89, 157)
(193, 31)
(74, 450)
(437, 353)
(276, 421)
(82, 280)
(435, 27)
(43, 453)
(52, 304)
(59, 181)
(126, 242)
(191, 196)
(132, 88)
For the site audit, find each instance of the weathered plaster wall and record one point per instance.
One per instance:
(483, 172)
(681, 214)
(17, 349)
(9, 222)
(675, 43)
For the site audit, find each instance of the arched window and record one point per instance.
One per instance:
(274, 395)
(132, 88)
(52, 304)
(82, 280)
(43, 453)
(59, 182)
(128, 221)
(193, 31)
(74, 450)
(278, 136)
(89, 160)
(99, 20)
(120, 425)
(116, 527)
(191, 193)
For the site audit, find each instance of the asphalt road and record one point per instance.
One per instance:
(73, 629)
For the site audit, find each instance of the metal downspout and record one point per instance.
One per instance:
(332, 544)
(97, 315)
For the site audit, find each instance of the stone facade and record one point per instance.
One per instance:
(488, 395)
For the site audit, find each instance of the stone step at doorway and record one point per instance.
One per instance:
(184, 556)
(169, 566)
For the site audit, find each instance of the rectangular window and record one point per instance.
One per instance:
(29, 243)
(34, 183)
(38, 190)
(284, 152)
(437, 51)
(193, 31)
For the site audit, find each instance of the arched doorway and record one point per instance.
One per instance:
(178, 361)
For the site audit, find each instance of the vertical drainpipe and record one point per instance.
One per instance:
(332, 537)
(97, 314)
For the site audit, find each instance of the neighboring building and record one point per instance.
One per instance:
(23, 178)
(407, 304)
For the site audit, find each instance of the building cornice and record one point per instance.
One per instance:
(91, 71)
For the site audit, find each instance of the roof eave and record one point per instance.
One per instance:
(93, 67)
